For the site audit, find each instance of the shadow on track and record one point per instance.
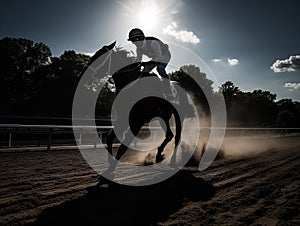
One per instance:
(114, 204)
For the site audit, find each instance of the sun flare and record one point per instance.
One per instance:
(148, 17)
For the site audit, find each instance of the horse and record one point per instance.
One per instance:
(144, 110)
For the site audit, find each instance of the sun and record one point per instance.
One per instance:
(148, 17)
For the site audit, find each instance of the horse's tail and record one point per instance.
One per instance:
(178, 124)
(185, 106)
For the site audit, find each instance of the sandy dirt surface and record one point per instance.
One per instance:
(59, 188)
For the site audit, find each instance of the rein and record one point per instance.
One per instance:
(108, 59)
(95, 70)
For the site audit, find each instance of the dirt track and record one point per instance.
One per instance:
(59, 188)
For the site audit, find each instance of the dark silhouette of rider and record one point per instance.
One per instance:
(156, 50)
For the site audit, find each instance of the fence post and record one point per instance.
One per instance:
(99, 137)
(96, 139)
(79, 138)
(9, 140)
(49, 139)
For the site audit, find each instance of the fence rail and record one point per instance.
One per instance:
(19, 135)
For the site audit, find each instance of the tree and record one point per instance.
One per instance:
(62, 73)
(289, 113)
(57, 91)
(20, 58)
(229, 91)
(286, 119)
(287, 104)
(257, 108)
(262, 107)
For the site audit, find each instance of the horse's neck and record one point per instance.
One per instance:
(126, 78)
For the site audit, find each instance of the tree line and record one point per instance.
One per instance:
(35, 83)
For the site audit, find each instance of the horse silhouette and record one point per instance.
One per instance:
(143, 111)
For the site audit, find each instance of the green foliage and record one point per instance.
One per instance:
(229, 91)
(289, 113)
(286, 118)
(258, 108)
(68, 64)
(58, 88)
(21, 59)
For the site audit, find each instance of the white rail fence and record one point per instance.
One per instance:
(18, 135)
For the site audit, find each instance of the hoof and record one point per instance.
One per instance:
(159, 158)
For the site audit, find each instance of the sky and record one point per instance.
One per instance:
(255, 44)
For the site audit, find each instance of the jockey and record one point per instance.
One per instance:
(153, 48)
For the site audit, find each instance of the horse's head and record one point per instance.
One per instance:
(105, 61)
(98, 54)
(102, 51)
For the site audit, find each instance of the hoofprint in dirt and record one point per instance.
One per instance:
(58, 188)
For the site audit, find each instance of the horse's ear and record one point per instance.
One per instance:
(112, 45)
(102, 51)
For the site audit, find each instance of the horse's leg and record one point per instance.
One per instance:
(128, 139)
(109, 141)
(169, 137)
(121, 151)
(177, 136)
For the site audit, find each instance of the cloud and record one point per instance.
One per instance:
(233, 61)
(287, 65)
(181, 35)
(292, 86)
(216, 60)
(89, 53)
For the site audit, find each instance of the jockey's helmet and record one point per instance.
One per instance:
(136, 34)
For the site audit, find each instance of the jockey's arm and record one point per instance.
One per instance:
(139, 55)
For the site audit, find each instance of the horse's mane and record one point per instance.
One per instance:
(99, 53)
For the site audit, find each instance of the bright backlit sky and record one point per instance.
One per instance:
(253, 43)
